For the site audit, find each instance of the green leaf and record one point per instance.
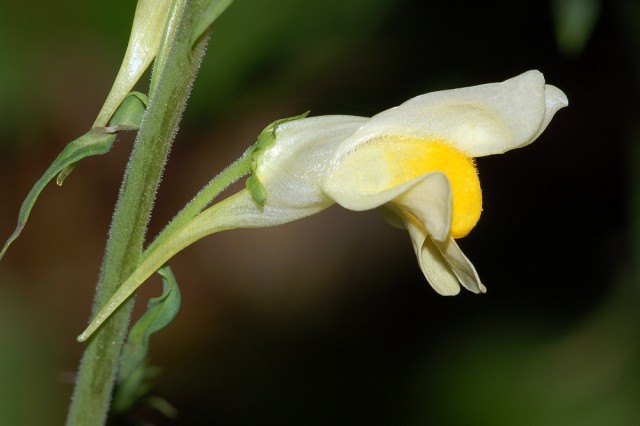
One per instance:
(96, 141)
(162, 245)
(212, 10)
(135, 374)
(160, 312)
(135, 390)
(574, 22)
(129, 114)
(147, 32)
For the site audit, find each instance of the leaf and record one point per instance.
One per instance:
(129, 114)
(146, 36)
(96, 141)
(161, 311)
(212, 10)
(575, 21)
(135, 374)
(163, 248)
(135, 390)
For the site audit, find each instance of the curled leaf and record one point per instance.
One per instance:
(186, 227)
(129, 114)
(96, 141)
(127, 117)
(135, 373)
(160, 312)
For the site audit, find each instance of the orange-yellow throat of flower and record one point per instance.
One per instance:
(408, 157)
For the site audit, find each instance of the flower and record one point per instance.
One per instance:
(415, 163)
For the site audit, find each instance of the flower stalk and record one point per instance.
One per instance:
(167, 99)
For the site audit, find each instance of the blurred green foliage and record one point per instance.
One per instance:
(516, 372)
(258, 49)
(29, 384)
(270, 49)
(574, 23)
(36, 40)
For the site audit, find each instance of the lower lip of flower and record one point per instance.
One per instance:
(407, 157)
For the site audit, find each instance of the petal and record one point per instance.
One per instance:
(240, 211)
(293, 168)
(480, 120)
(460, 265)
(433, 265)
(429, 200)
(442, 262)
(427, 197)
(555, 100)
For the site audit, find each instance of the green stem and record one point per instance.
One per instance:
(173, 77)
(205, 196)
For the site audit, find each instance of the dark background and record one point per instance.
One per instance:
(329, 320)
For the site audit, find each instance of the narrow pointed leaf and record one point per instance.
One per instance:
(146, 36)
(96, 141)
(160, 312)
(211, 12)
(135, 373)
(128, 116)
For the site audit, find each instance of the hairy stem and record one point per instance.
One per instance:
(172, 80)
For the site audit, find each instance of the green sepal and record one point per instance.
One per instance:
(135, 375)
(257, 190)
(96, 141)
(265, 139)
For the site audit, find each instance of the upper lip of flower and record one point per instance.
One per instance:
(476, 121)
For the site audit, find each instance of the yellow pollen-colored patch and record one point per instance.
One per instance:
(409, 157)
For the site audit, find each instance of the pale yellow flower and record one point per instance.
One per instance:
(415, 163)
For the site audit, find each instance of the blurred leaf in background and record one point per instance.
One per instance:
(518, 372)
(575, 21)
(30, 379)
(47, 43)
(273, 49)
